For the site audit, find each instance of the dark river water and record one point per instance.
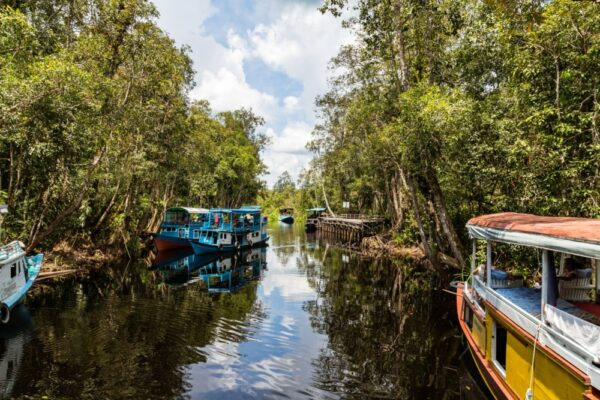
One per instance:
(299, 319)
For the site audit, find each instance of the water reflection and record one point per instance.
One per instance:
(218, 272)
(320, 322)
(13, 337)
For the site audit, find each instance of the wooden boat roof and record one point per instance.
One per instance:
(572, 235)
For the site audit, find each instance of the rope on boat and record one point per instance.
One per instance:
(529, 393)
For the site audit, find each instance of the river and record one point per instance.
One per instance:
(299, 319)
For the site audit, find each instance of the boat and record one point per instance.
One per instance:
(313, 215)
(539, 341)
(286, 215)
(229, 230)
(17, 274)
(180, 224)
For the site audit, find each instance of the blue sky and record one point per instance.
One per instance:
(268, 55)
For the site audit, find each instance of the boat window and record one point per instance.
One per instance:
(468, 317)
(499, 346)
(176, 217)
(196, 233)
(13, 270)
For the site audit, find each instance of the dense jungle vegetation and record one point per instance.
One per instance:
(97, 135)
(443, 110)
(439, 111)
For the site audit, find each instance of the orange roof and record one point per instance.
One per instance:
(571, 228)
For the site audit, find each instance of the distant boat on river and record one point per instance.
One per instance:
(180, 224)
(286, 215)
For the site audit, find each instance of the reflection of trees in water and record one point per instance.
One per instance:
(389, 335)
(118, 341)
(283, 242)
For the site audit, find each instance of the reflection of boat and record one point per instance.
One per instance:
(532, 342)
(220, 273)
(230, 274)
(13, 337)
(178, 268)
(17, 274)
(312, 218)
(179, 226)
(286, 215)
(232, 229)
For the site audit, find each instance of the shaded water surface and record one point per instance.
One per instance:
(299, 319)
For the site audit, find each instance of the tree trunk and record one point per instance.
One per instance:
(326, 201)
(444, 218)
(400, 56)
(429, 253)
(39, 236)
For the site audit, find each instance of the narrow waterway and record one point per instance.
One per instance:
(299, 319)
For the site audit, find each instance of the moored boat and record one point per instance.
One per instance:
(286, 215)
(540, 341)
(17, 275)
(313, 216)
(230, 230)
(180, 224)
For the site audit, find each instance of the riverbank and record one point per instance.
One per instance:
(65, 259)
(384, 246)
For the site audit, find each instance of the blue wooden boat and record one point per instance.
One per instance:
(180, 224)
(230, 230)
(286, 215)
(17, 274)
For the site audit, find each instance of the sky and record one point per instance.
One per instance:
(268, 55)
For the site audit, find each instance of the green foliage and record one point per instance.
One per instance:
(446, 110)
(97, 135)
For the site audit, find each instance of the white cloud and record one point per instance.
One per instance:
(298, 41)
(293, 139)
(301, 42)
(227, 91)
(290, 103)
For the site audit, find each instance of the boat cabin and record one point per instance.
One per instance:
(535, 338)
(317, 212)
(183, 221)
(231, 229)
(312, 217)
(286, 211)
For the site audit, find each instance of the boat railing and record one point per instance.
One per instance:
(479, 286)
(11, 249)
(548, 334)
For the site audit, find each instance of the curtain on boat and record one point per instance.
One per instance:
(585, 334)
